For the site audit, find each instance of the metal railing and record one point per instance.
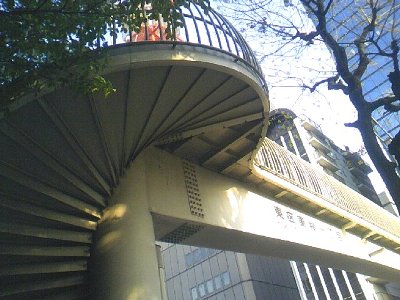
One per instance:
(200, 27)
(281, 163)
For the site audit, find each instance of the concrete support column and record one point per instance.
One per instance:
(124, 263)
(161, 270)
(381, 293)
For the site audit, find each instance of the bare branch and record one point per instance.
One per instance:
(360, 42)
(328, 6)
(365, 27)
(339, 52)
(338, 85)
(394, 77)
(354, 124)
(384, 101)
(392, 107)
(334, 83)
(395, 54)
(308, 4)
(307, 37)
(317, 84)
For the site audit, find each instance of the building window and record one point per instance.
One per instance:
(226, 279)
(198, 255)
(210, 286)
(189, 259)
(195, 296)
(204, 252)
(202, 290)
(218, 282)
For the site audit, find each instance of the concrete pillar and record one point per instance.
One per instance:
(381, 293)
(161, 270)
(124, 263)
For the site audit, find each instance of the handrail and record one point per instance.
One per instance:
(206, 28)
(278, 161)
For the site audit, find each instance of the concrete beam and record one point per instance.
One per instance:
(236, 217)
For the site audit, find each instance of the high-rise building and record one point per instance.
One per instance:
(201, 273)
(346, 20)
(195, 273)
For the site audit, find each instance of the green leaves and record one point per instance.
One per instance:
(47, 43)
(101, 85)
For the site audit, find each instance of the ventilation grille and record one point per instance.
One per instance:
(192, 189)
(181, 233)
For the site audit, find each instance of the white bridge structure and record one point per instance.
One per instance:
(177, 154)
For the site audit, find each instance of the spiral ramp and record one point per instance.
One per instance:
(62, 154)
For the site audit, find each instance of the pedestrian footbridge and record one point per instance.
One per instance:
(177, 154)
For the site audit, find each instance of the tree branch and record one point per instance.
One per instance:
(328, 6)
(338, 85)
(308, 3)
(334, 83)
(394, 77)
(360, 42)
(307, 37)
(317, 84)
(354, 124)
(384, 101)
(392, 107)
(338, 51)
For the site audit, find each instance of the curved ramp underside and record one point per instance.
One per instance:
(62, 155)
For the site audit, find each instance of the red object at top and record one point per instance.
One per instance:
(155, 32)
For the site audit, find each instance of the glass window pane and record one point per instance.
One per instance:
(204, 253)
(189, 259)
(202, 290)
(226, 279)
(218, 282)
(196, 256)
(194, 294)
(210, 286)
(212, 251)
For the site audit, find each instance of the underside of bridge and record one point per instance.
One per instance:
(63, 153)
(66, 160)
